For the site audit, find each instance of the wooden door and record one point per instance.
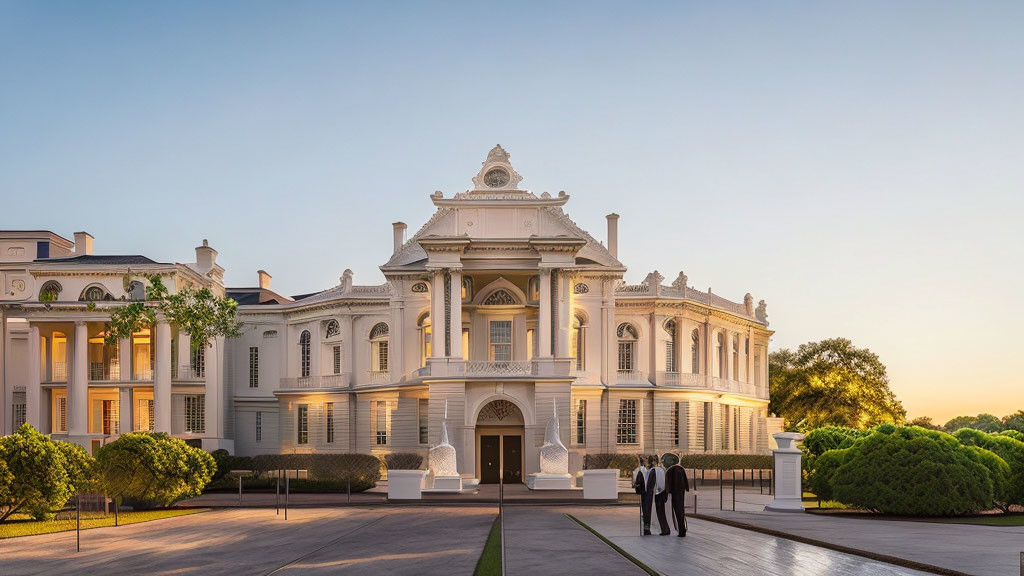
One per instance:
(490, 459)
(512, 459)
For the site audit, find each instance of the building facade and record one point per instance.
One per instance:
(499, 313)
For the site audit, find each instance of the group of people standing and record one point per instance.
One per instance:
(655, 484)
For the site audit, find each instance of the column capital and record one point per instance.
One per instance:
(80, 322)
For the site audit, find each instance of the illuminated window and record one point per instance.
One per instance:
(195, 414)
(577, 341)
(302, 419)
(670, 346)
(581, 422)
(423, 407)
(500, 340)
(304, 360)
(329, 409)
(382, 423)
(695, 352)
(627, 347)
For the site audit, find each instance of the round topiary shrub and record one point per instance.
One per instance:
(1009, 490)
(912, 471)
(821, 440)
(153, 469)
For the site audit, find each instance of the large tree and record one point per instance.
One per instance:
(1014, 421)
(831, 382)
(983, 422)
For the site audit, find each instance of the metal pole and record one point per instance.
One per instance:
(78, 522)
(239, 489)
(694, 501)
(277, 495)
(116, 506)
(348, 488)
(286, 478)
(501, 522)
(721, 490)
(733, 490)
(1022, 564)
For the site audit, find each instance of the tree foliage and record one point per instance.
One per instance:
(153, 468)
(39, 475)
(1014, 421)
(831, 382)
(924, 422)
(197, 311)
(983, 422)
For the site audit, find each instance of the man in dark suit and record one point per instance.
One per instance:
(640, 486)
(676, 485)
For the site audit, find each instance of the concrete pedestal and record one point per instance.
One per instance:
(549, 481)
(406, 484)
(788, 477)
(453, 483)
(600, 484)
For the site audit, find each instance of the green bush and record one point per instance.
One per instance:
(821, 440)
(226, 463)
(624, 463)
(38, 474)
(403, 461)
(909, 471)
(1015, 434)
(820, 477)
(153, 469)
(361, 469)
(726, 461)
(1011, 451)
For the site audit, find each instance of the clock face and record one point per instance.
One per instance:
(496, 178)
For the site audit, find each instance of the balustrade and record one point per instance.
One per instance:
(326, 381)
(499, 368)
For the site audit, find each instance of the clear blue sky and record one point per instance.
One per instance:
(859, 166)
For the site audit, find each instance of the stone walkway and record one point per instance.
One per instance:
(542, 541)
(391, 540)
(715, 549)
(982, 550)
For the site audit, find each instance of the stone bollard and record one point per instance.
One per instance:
(788, 476)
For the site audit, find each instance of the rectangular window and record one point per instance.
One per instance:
(254, 367)
(259, 426)
(670, 356)
(195, 414)
(626, 355)
(42, 249)
(144, 415)
(382, 423)
(626, 432)
(424, 415)
(302, 416)
(198, 361)
(501, 340)
(337, 359)
(329, 410)
(111, 417)
(581, 422)
(380, 356)
(62, 414)
(531, 345)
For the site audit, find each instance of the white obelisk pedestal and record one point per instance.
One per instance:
(788, 476)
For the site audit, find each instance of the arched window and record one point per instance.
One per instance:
(333, 329)
(467, 288)
(50, 291)
(627, 335)
(379, 347)
(136, 291)
(721, 355)
(735, 358)
(578, 341)
(695, 351)
(95, 293)
(425, 338)
(670, 346)
(304, 354)
(533, 289)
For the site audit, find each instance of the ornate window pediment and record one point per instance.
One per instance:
(626, 331)
(332, 329)
(420, 287)
(580, 288)
(379, 330)
(500, 297)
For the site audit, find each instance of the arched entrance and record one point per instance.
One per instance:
(499, 443)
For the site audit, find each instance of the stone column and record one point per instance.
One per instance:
(608, 335)
(788, 487)
(437, 315)
(78, 387)
(214, 367)
(184, 354)
(162, 379)
(564, 315)
(126, 410)
(33, 388)
(124, 358)
(709, 354)
(347, 349)
(456, 314)
(397, 334)
(544, 315)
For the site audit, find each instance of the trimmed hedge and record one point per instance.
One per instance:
(403, 461)
(226, 463)
(910, 471)
(362, 469)
(626, 463)
(1011, 451)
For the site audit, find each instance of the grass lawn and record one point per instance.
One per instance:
(987, 520)
(811, 501)
(19, 525)
(490, 560)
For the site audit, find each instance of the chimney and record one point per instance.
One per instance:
(206, 257)
(613, 234)
(264, 279)
(399, 231)
(83, 243)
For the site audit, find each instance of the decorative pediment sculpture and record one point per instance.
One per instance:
(554, 457)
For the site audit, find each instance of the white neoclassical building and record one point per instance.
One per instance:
(500, 310)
